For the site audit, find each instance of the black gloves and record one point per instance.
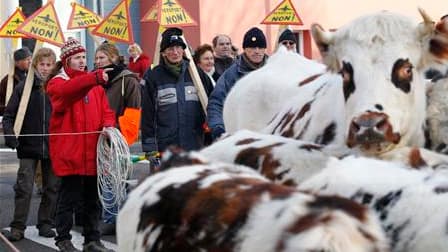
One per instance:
(11, 142)
(217, 132)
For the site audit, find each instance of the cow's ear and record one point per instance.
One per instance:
(322, 38)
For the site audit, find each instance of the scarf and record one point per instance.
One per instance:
(173, 68)
(252, 65)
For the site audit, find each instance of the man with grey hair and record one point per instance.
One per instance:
(222, 47)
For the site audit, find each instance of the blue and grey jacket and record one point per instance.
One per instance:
(171, 110)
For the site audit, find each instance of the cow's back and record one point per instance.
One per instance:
(256, 97)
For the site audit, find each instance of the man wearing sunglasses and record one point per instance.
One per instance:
(288, 39)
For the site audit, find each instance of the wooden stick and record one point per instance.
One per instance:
(196, 79)
(9, 245)
(26, 94)
(156, 59)
(12, 66)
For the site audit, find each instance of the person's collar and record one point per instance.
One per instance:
(251, 64)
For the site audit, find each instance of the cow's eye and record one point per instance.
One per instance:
(402, 75)
(347, 77)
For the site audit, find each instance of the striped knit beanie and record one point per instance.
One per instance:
(70, 48)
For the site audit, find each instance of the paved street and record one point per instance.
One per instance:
(8, 169)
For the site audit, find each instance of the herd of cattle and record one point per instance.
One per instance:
(346, 156)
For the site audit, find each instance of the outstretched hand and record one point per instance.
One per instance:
(105, 76)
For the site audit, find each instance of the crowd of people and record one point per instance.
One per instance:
(70, 106)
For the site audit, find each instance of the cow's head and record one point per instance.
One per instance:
(381, 59)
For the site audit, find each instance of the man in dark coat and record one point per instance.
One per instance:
(171, 110)
(252, 58)
(22, 61)
(222, 47)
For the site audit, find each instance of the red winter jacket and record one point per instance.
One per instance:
(79, 105)
(140, 66)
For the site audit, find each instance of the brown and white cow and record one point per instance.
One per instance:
(289, 161)
(229, 208)
(371, 97)
(412, 205)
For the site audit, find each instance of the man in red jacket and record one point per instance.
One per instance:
(80, 111)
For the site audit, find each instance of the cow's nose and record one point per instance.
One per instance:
(371, 128)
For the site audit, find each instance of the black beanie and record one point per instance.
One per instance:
(287, 35)
(22, 53)
(254, 38)
(172, 37)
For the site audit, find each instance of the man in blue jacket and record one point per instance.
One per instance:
(171, 111)
(252, 58)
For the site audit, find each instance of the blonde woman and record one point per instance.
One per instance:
(124, 95)
(138, 62)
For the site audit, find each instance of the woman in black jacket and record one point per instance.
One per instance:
(32, 149)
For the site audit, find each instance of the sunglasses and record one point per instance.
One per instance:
(288, 43)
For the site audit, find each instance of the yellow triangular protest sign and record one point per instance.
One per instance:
(171, 13)
(9, 28)
(117, 25)
(284, 13)
(82, 17)
(44, 25)
(151, 14)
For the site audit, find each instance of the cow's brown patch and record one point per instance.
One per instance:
(222, 208)
(304, 129)
(310, 147)
(367, 235)
(260, 159)
(335, 202)
(302, 224)
(415, 159)
(287, 117)
(309, 79)
(246, 141)
(328, 135)
(288, 131)
(439, 44)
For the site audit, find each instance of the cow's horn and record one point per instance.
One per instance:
(319, 35)
(427, 26)
(426, 18)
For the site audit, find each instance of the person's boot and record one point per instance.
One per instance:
(107, 228)
(46, 231)
(95, 246)
(66, 246)
(13, 235)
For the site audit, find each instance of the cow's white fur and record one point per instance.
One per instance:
(371, 44)
(263, 92)
(268, 220)
(296, 163)
(438, 115)
(424, 210)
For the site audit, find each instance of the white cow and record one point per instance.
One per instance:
(289, 161)
(371, 98)
(229, 208)
(412, 204)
